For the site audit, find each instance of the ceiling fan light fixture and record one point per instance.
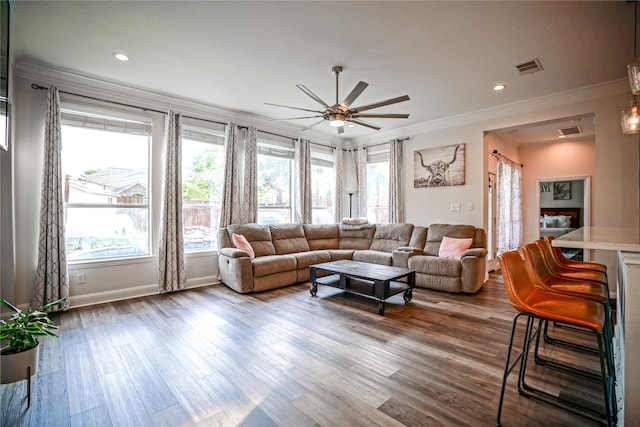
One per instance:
(337, 121)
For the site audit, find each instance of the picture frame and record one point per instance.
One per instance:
(439, 167)
(562, 190)
(545, 187)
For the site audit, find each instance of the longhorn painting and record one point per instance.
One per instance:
(439, 167)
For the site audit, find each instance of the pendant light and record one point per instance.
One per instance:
(630, 121)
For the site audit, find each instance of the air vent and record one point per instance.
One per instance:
(530, 66)
(570, 131)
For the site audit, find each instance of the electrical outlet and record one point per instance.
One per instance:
(80, 279)
(470, 206)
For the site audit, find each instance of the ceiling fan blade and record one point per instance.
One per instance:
(312, 95)
(293, 118)
(365, 124)
(340, 130)
(360, 87)
(315, 124)
(293, 108)
(380, 104)
(381, 116)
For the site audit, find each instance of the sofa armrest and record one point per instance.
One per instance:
(409, 249)
(475, 252)
(235, 269)
(474, 266)
(233, 253)
(401, 255)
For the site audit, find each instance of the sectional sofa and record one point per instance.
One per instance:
(284, 252)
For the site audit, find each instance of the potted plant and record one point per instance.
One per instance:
(19, 358)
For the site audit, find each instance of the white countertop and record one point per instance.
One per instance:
(607, 238)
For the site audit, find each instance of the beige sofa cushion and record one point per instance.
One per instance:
(322, 236)
(437, 231)
(375, 257)
(435, 266)
(258, 236)
(271, 264)
(391, 236)
(288, 238)
(356, 239)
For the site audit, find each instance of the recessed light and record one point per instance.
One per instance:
(122, 57)
(499, 87)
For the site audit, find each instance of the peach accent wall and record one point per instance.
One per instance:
(560, 161)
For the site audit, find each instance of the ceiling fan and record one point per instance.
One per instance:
(341, 112)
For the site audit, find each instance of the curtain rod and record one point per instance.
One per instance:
(495, 153)
(378, 145)
(36, 86)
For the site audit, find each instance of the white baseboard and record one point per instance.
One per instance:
(133, 292)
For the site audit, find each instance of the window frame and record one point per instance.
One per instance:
(277, 149)
(214, 135)
(96, 113)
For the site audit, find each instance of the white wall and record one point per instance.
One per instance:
(615, 188)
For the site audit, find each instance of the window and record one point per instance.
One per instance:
(378, 185)
(275, 162)
(202, 181)
(322, 184)
(105, 164)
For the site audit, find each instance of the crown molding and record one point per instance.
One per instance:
(585, 94)
(108, 90)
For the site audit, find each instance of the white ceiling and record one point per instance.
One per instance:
(238, 55)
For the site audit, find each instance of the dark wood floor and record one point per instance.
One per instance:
(283, 358)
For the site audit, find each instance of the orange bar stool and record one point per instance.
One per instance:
(574, 273)
(542, 276)
(570, 263)
(536, 303)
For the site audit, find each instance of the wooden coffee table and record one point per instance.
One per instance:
(372, 280)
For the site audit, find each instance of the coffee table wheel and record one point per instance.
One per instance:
(408, 294)
(381, 307)
(314, 289)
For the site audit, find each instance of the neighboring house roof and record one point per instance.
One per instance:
(119, 181)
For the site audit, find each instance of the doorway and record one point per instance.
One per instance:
(564, 205)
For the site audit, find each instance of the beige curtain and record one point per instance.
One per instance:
(302, 181)
(172, 271)
(509, 206)
(338, 192)
(250, 187)
(52, 276)
(396, 204)
(359, 157)
(230, 211)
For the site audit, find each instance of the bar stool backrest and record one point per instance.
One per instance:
(517, 283)
(555, 251)
(535, 264)
(547, 253)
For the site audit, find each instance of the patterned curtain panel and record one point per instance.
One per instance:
(509, 206)
(359, 156)
(250, 194)
(302, 181)
(230, 211)
(52, 281)
(172, 271)
(396, 205)
(338, 192)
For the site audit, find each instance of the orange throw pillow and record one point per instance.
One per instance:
(453, 248)
(243, 244)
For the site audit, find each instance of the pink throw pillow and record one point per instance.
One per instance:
(453, 248)
(243, 244)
